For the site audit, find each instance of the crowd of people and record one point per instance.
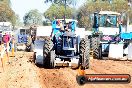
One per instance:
(6, 42)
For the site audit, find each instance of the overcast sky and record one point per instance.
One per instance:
(23, 6)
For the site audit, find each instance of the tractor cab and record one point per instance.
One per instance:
(108, 19)
(107, 22)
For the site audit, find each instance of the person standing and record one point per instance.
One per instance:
(6, 40)
(0, 38)
(33, 38)
(13, 45)
(10, 42)
(2, 51)
(59, 23)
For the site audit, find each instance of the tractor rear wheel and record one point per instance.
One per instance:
(48, 45)
(85, 52)
(96, 47)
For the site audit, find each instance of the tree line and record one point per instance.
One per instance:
(82, 14)
(6, 12)
(57, 10)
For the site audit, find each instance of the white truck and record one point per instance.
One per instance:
(6, 27)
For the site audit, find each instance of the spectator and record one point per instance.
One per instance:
(33, 38)
(0, 38)
(2, 50)
(67, 28)
(14, 42)
(59, 23)
(13, 45)
(12, 38)
(6, 39)
(10, 42)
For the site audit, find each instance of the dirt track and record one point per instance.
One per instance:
(22, 73)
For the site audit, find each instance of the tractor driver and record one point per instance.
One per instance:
(67, 28)
(108, 22)
(59, 23)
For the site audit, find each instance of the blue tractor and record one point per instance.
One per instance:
(106, 31)
(25, 38)
(21, 39)
(64, 48)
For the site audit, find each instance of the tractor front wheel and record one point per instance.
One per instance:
(96, 47)
(85, 52)
(48, 45)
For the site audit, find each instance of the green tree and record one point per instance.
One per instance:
(6, 1)
(58, 11)
(68, 2)
(18, 22)
(84, 12)
(33, 17)
(6, 13)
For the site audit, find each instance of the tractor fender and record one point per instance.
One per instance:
(38, 49)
